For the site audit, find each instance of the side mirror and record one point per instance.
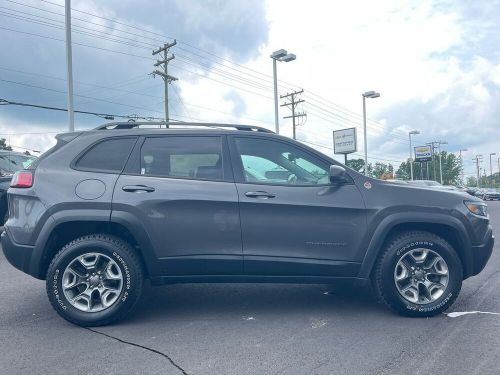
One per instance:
(337, 174)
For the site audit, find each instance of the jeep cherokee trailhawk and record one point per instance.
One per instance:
(178, 203)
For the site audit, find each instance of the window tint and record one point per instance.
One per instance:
(270, 162)
(183, 157)
(109, 155)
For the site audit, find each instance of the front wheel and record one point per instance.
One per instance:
(418, 274)
(94, 280)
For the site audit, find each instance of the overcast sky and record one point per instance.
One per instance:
(435, 63)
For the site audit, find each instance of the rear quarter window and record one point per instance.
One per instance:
(109, 155)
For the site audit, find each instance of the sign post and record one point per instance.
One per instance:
(345, 142)
(423, 154)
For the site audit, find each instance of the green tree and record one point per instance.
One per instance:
(471, 181)
(3, 145)
(451, 169)
(380, 168)
(357, 164)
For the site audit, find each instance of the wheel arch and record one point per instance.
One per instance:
(61, 232)
(445, 226)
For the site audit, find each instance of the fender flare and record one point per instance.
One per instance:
(53, 221)
(388, 223)
(127, 220)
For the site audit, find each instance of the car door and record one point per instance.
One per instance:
(294, 221)
(181, 191)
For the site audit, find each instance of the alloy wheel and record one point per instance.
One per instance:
(421, 276)
(92, 282)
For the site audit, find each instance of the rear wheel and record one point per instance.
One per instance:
(94, 280)
(418, 274)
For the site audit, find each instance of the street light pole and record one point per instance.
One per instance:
(279, 55)
(491, 169)
(69, 65)
(276, 120)
(413, 132)
(371, 95)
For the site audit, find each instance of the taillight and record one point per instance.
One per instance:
(22, 179)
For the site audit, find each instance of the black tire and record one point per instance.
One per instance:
(383, 277)
(124, 257)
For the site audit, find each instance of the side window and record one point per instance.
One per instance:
(183, 157)
(270, 162)
(107, 156)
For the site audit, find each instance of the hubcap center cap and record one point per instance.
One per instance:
(419, 274)
(94, 280)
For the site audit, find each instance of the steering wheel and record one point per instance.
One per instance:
(292, 179)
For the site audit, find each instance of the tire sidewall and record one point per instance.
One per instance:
(401, 248)
(131, 282)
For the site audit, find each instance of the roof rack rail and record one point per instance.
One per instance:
(159, 124)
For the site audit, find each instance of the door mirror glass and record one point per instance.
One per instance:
(337, 174)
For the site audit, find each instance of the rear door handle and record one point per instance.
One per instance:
(138, 188)
(259, 194)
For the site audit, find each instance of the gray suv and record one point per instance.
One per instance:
(103, 210)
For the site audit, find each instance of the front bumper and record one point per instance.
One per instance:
(17, 255)
(481, 253)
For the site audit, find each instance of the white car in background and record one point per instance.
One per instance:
(431, 184)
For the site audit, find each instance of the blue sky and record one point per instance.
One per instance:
(436, 64)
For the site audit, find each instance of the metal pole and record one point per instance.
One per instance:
(461, 167)
(275, 75)
(364, 130)
(440, 166)
(411, 159)
(167, 115)
(345, 160)
(491, 173)
(69, 65)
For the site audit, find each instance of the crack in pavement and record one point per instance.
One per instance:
(142, 347)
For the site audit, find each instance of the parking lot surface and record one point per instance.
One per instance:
(254, 329)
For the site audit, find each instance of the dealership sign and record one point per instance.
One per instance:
(344, 141)
(423, 154)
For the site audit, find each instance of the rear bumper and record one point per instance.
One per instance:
(481, 253)
(17, 255)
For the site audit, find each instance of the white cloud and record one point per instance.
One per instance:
(434, 63)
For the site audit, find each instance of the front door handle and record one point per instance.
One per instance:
(138, 188)
(259, 194)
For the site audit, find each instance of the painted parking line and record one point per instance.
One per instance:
(456, 314)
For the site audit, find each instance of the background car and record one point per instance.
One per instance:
(491, 194)
(10, 162)
(432, 184)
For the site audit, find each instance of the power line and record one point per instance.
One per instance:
(81, 96)
(106, 116)
(217, 71)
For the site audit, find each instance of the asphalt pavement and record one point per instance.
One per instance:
(254, 329)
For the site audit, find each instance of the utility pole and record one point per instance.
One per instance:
(293, 104)
(167, 79)
(433, 144)
(491, 170)
(478, 159)
(413, 132)
(69, 65)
